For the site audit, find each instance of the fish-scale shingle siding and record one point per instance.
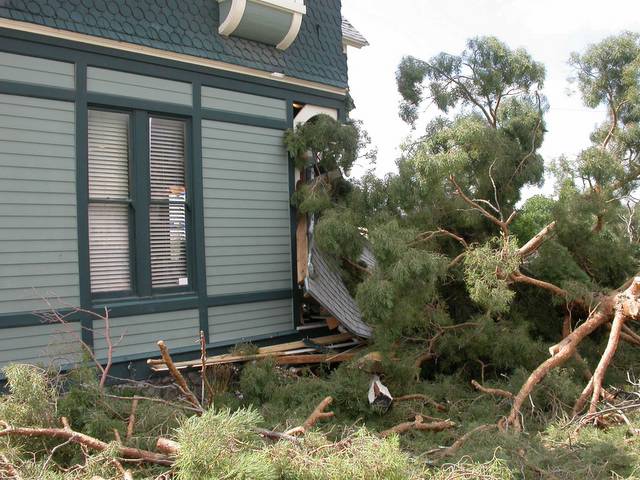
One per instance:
(191, 28)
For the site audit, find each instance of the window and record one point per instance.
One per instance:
(138, 204)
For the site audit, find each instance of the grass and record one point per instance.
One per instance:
(221, 444)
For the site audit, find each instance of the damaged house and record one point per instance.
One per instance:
(143, 172)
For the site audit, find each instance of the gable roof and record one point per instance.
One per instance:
(351, 36)
(191, 28)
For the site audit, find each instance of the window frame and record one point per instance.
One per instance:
(139, 209)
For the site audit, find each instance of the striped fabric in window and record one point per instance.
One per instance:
(168, 209)
(109, 203)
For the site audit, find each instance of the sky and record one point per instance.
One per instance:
(549, 29)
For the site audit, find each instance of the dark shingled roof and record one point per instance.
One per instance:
(325, 284)
(191, 27)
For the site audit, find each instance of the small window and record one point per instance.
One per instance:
(138, 210)
(168, 209)
(109, 202)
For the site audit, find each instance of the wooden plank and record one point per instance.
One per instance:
(328, 340)
(158, 364)
(332, 323)
(315, 358)
(302, 243)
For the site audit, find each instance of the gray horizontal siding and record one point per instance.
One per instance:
(141, 333)
(243, 103)
(37, 71)
(246, 209)
(38, 238)
(47, 344)
(112, 82)
(235, 323)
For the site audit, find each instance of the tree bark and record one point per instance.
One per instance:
(317, 415)
(536, 241)
(90, 442)
(627, 307)
(177, 376)
(418, 424)
(560, 353)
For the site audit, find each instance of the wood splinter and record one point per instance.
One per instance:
(418, 424)
(177, 376)
(317, 415)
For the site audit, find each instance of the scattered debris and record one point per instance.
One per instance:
(379, 396)
(328, 349)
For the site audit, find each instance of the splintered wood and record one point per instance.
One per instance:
(328, 349)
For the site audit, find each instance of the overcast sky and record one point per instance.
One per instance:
(549, 29)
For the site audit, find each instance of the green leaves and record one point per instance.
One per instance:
(608, 70)
(330, 143)
(486, 270)
(483, 75)
(337, 234)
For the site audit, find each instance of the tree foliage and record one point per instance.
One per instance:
(467, 267)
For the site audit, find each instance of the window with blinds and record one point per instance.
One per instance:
(137, 237)
(109, 201)
(168, 205)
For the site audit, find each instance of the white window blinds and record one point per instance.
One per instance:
(168, 208)
(109, 203)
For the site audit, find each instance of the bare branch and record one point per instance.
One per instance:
(476, 206)
(418, 424)
(177, 376)
(536, 241)
(90, 442)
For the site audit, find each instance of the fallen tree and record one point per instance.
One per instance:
(456, 246)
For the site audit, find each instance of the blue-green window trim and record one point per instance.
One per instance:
(140, 203)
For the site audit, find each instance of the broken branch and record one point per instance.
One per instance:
(457, 445)
(177, 376)
(496, 392)
(418, 424)
(89, 442)
(317, 415)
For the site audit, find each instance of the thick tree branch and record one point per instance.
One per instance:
(317, 415)
(563, 351)
(177, 376)
(550, 287)
(536, 241)
(89, 442)
(418, 424)
(627, 307)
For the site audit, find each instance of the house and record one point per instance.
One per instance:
(142, 168)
